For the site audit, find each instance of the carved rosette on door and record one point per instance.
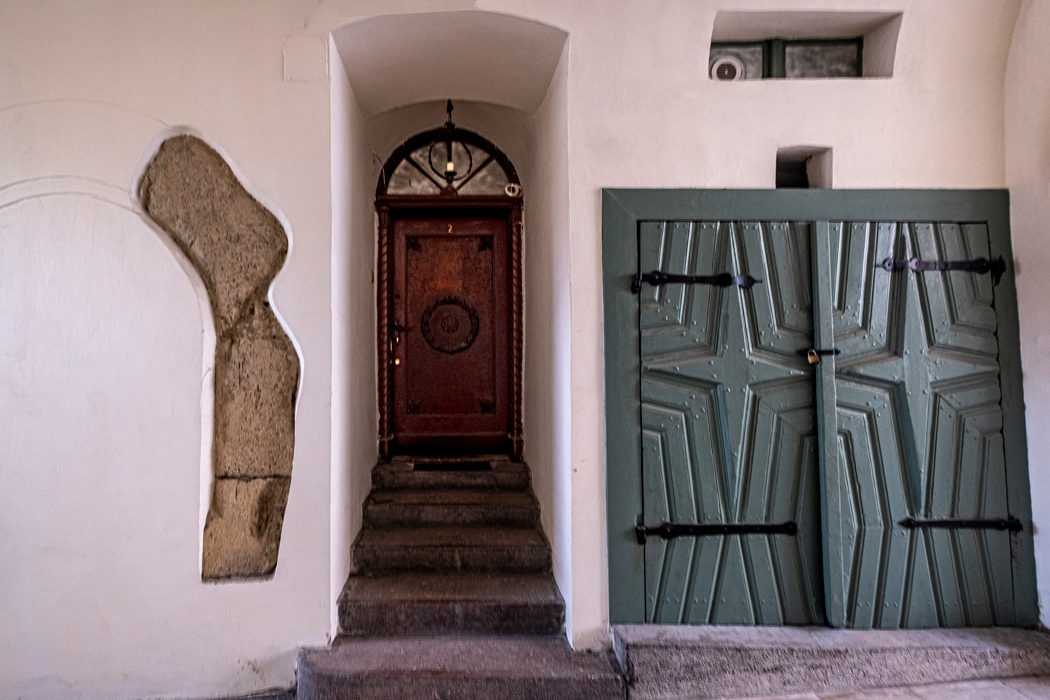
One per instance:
(449, 303)
(450, 324)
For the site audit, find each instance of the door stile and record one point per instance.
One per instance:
(383, 332)
(1015, 437)
(831, 487)
(517, 430)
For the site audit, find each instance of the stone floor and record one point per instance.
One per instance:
(1029, 688)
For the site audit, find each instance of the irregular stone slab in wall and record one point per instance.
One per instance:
(237, 246)
(256, 378)
(243, 532)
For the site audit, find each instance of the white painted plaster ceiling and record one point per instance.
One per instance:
(398, 60)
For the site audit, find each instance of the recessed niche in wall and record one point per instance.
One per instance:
(803, 167)
(798, 45)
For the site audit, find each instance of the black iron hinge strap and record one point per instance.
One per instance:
(669, 531)
(1012, 524)
(725, 279)
(981, 266)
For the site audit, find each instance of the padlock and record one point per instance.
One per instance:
(813, 356)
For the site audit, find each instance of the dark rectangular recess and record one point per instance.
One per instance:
(811, 58)
(452, 467)
(792, 173)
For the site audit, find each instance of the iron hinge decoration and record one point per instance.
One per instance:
(669, 531)
(725, 279)
(1012, 524)
(981, 266)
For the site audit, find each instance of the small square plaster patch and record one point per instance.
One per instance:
(305, 59)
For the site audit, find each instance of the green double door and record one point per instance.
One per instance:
(867, 490)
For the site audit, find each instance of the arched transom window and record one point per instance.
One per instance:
(448, 161)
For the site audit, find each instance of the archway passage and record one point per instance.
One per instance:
(449, 322)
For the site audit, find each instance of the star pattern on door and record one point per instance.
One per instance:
(728, 424)
(920, 428)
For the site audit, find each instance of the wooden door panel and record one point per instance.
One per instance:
(451, 321)
(728, 425)
(919, 429)
(919, 418)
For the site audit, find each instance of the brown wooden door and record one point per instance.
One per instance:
(450, 331)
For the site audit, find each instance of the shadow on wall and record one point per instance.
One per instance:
(237, 247)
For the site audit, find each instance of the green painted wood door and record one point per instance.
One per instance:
(919, 417)
(729, 424)
(916, 430)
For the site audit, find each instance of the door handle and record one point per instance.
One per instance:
(396, 329)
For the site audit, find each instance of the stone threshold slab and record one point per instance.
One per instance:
(671, 662)
(456, 667)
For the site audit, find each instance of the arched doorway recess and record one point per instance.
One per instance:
(449, 297)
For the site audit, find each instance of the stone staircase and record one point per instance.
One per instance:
(452, 595)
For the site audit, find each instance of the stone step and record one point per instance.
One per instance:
(414, 605)
(451, 550)
(665, 661)
(464, 668)
(501, 475)
(451, 507)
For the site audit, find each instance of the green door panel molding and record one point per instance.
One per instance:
(729, 436)
(715, 416)
(919, 428)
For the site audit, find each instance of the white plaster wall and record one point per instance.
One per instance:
(1028, 176)
(547, 323)
(642, 113)
(638, 111)
(101, 371)
(354, 410)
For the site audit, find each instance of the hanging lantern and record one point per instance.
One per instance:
(449, 150)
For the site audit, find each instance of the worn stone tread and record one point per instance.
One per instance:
(505, 476)
(665, 661)
(522, 588)
(408, 508)
(466, 668)
(420, 604)
(451, 549)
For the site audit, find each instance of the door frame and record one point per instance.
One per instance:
(623, 209)
(388, 209)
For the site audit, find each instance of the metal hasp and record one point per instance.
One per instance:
(981, 266)
(724, 279)
(813, 355)
(1012, 524)
(819, 352)
(669, 531)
